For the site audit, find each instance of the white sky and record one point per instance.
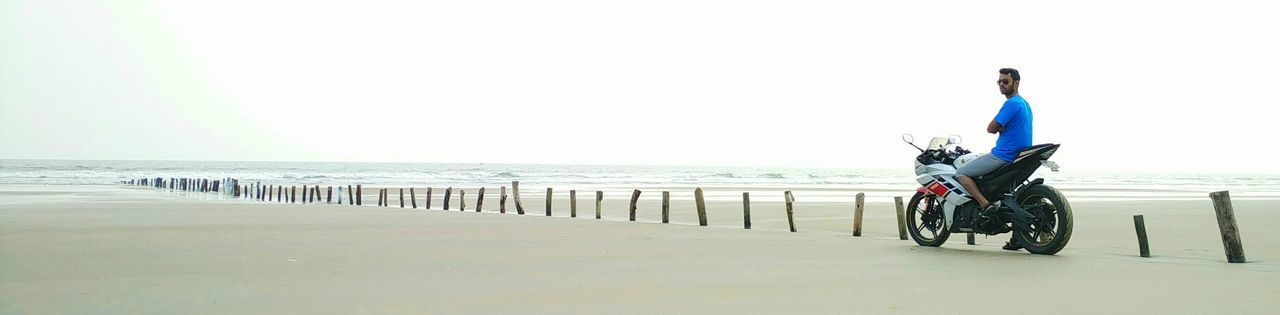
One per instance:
(1164, 86)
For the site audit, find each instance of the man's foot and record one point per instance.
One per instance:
(1011, 245)
(989, 210)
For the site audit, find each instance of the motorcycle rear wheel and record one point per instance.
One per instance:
(1051, 226)
(925, 221)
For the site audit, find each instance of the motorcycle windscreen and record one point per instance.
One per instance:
(937, 143)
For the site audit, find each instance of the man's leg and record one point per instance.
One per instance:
(972, 187)
(980, 166)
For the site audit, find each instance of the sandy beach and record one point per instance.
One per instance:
(107, 249)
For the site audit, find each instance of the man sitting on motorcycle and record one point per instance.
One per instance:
(1013, 123)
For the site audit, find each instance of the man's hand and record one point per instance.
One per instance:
(994, 127)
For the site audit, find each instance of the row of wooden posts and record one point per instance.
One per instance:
(1221, 202)
(311, 194)
(187, 184)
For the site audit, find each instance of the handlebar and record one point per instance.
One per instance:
(944, 156)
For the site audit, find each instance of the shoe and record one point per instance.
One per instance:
(1011, 245)
(990, 210)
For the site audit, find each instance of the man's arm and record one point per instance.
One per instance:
(994, 127)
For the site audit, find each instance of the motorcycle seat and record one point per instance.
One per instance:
(1022, 155)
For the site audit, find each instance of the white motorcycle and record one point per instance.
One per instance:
(1038, 214)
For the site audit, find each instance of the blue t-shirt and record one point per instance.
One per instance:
(1015, 116)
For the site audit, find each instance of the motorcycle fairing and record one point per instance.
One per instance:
(951, 192)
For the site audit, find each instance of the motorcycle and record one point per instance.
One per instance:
(1038, 214)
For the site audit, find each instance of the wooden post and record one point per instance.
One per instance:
(548, 201)
(328, 194)
(502, 200)
(969, 238)
(402, 197)
(350, 193)
(791, 221)
(1227, 226)
(304, 193)
(666, 206)
(702, 206)
(413, 198)
(293, 194)
(573, 203)
(480, 200)
(379, 197)
(447, 193)
(515, 194)
(635, 196)
(857, 215)
(599, 198)
(462, 200)
(359, 196)
(317, 194)
(902, 219)
(746, 210)
(1141, 227)
(427, 204)
(271, 196)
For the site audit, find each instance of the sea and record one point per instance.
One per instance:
(619, 181)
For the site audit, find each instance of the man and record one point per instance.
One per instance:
(1013, 123)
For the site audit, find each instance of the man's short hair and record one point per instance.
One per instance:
(1012, 73)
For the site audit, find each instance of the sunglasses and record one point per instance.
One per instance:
(1002, 82)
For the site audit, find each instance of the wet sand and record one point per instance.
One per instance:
(118, 249)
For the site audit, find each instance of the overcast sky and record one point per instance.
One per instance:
(1164, 86)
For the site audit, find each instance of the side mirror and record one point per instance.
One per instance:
(906, 137)
(953, 139)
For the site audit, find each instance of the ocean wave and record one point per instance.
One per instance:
(772, 175)
(724, 175)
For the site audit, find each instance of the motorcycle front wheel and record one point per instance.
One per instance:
(1051, 223)
(925, 221)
